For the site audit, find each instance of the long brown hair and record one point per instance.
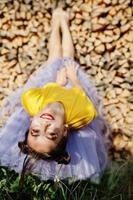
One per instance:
(59, 155)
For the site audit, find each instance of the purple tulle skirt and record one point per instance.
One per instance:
(87, 146)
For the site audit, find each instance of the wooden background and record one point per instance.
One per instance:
(102, 32)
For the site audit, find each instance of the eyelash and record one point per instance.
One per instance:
(34, 131)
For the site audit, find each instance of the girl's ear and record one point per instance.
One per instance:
(31, 118)
(65, 134)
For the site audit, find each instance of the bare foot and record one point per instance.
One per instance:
(60, 15)
(65, 17)
(56, 17)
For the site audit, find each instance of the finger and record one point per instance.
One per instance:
(68, 63)
(65, 69)
(62, 69)
(71, 62)
(57, 74)
(65, 63)
(76, 66)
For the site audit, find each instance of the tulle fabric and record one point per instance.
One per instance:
(87, 146)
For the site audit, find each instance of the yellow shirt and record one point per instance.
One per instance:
(78, 107)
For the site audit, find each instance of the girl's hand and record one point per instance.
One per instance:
(71, 70)
(61, 78)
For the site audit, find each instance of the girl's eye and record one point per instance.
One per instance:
(34, 132)
(53, 136)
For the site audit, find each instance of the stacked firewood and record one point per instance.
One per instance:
(102, 32)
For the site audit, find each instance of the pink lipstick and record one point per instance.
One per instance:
(47, 116)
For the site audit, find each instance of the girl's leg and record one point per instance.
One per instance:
(67, 43)
(54, 46)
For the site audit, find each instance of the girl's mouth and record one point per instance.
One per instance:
(47, 116)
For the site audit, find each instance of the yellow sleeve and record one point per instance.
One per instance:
(92, 110)
(32, 99)
(87, 101)
(83, 111)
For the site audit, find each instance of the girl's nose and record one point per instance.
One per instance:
(45, 127)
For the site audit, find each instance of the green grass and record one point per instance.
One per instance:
(116, 184)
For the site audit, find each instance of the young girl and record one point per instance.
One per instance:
(56, 118)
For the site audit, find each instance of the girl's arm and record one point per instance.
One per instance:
(61, 77)
(71, 69)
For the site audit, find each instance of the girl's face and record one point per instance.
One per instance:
(47, 128)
